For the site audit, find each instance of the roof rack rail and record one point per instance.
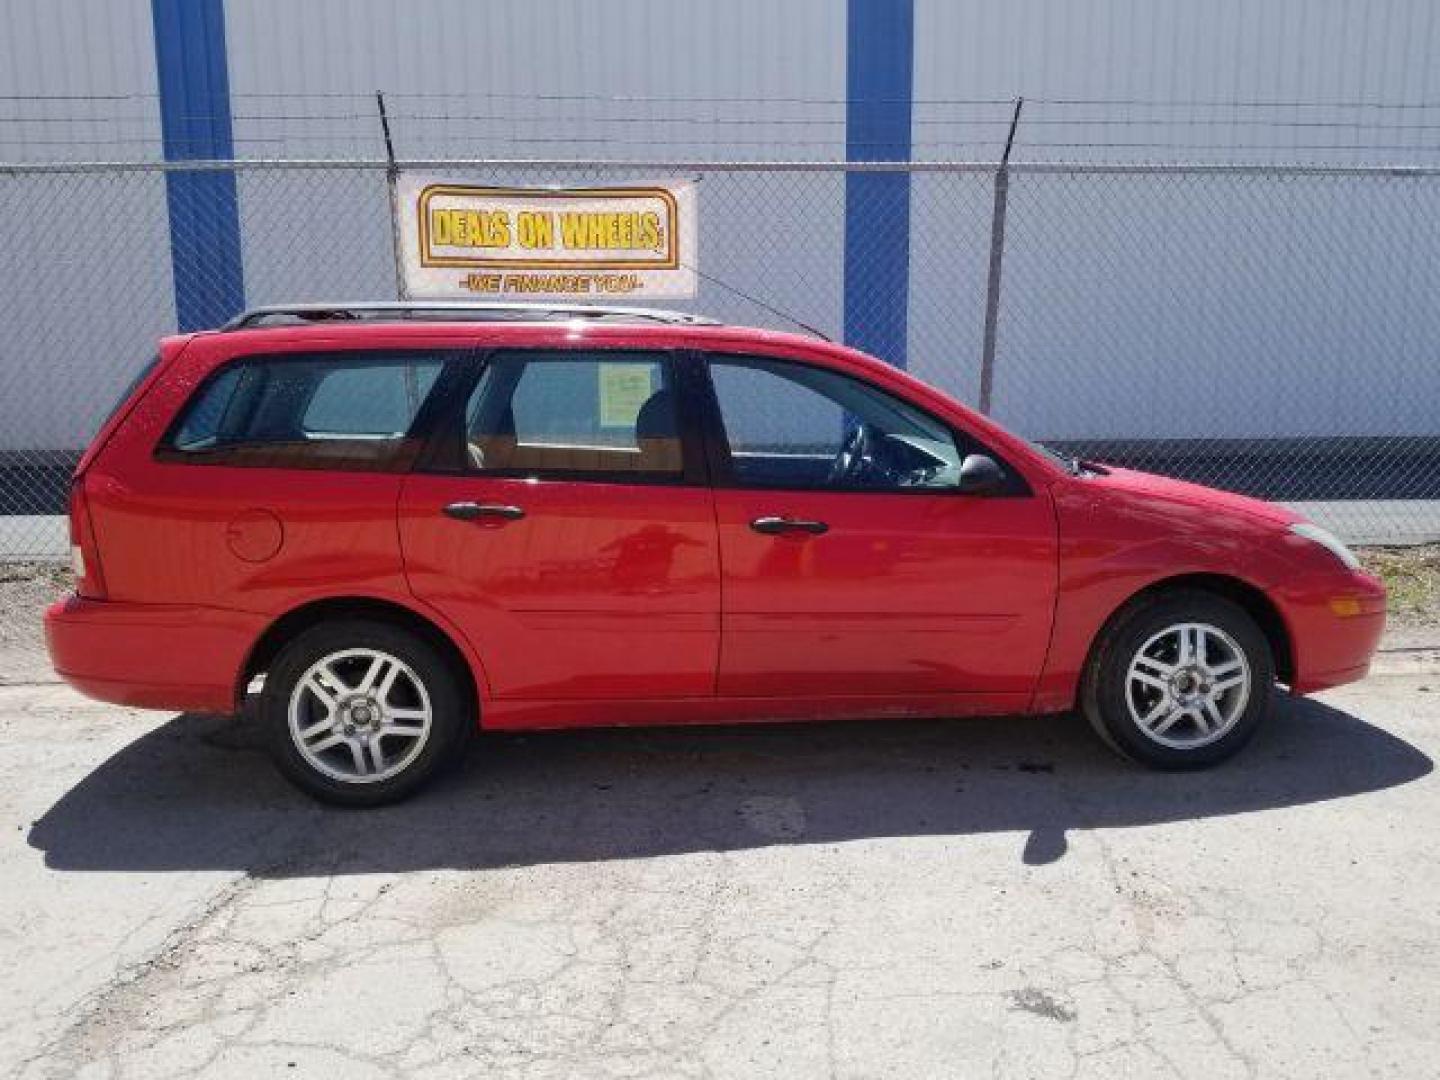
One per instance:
(453, 311)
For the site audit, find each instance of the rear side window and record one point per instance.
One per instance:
(351, 411)
(376, 401)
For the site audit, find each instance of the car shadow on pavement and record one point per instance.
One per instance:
(197, 793)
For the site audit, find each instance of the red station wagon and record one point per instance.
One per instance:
(392, 523)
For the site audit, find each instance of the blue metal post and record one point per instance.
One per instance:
(879, 85)
(195, 125)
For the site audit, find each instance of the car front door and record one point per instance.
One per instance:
(853, 564)
(565, 526)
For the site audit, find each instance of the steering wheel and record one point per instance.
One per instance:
(853, 456)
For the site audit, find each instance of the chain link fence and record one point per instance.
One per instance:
(1263, 329)
(1266, 331)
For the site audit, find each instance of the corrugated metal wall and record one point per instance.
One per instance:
(77, 82)
(554, 78)
(1177, 79)
(558, 79)
(1220, 308)
(1106, 79)
(1165, 80)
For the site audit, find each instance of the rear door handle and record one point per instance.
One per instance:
(774, 526)
(473, 511)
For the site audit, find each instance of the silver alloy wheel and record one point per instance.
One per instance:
(1187, 685)
(360, 716)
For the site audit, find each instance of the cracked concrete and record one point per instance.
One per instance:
(970, 898)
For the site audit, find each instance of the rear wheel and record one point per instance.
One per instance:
(362, 713)
(1180, 681)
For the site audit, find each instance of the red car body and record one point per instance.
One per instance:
(614, 603)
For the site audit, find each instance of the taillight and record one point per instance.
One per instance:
(84, 554)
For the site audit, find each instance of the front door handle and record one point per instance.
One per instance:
(473, 511)
(775, 526)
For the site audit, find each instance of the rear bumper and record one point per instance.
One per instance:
(152, 656)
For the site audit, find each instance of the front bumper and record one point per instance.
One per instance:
(151, 656)
(1335, 626)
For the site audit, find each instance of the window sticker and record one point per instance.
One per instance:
(624, 388)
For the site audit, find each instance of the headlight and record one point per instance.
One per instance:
(1329, 541)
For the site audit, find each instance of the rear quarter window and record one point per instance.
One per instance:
(130, 387)
(349, 411)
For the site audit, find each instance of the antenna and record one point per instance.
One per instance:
(771, 308)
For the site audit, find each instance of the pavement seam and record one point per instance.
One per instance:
(94, 1004)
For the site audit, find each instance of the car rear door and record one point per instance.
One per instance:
(276, 482)
(563, 522)
(889, 584)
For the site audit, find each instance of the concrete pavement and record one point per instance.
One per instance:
(903, 899)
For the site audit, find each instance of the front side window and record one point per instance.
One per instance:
(582, 415)
(332, 410)
(790, 425)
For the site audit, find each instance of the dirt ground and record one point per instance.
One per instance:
(26, 589)
(1412, 577)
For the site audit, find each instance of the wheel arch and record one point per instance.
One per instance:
(1250, 598)
(314, 612)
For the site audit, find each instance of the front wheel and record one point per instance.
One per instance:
(361, 713)
(1180, 682)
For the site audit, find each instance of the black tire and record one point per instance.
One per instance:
(1113, 705)
(421, 664)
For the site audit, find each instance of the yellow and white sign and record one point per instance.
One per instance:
(466, 241)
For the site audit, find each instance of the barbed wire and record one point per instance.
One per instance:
(277, 123)
(769, 99)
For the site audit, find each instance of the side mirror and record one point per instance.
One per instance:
(980, 473)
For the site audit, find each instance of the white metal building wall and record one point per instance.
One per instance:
(556, 79)
(1214, 309)
(1134, 53)
(68, 49)
(50, 55)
